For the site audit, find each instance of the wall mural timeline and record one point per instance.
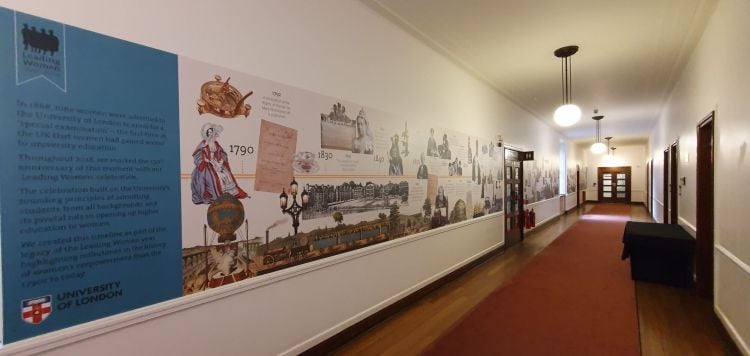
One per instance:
(251, 175)
(365, 176)
(541, 179)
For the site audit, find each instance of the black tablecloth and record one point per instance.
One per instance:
(666, 237)
(659, 253)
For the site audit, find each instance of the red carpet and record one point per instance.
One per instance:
(574, 298)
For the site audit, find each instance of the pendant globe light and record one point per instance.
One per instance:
(598, 147)
(568, 113)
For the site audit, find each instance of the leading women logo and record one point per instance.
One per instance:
(40, 51)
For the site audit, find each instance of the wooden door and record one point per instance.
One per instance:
(578, 185)
(614, 184)
(648, 186)
(651, 188)
(665, 188)
(514, 221)
(673, 160)
(704, 241)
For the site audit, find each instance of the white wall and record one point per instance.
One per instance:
(336, 48)
(632, 155)
(716, 78)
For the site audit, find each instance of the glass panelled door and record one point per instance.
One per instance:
(614, 184)
(513, 198)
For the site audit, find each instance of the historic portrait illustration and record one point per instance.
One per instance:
(212, 175)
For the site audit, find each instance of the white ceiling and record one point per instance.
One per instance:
(631, 52)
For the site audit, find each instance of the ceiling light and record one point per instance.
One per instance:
(598, 147)
(568, 113)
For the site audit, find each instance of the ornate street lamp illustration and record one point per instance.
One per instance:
(295, 209)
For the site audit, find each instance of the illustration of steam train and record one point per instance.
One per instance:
(285, 253)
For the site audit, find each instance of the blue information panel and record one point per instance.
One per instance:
(90, 183)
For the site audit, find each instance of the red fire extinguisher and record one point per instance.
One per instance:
(526, 218)
(532, 217)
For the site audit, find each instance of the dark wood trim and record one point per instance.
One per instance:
(651, 190)
(329, 345)
(665, 188)
(648, 185)
(704, 249)
(674, 159)
(578, 185)
(518, 216)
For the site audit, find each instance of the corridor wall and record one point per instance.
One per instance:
(715, 79)
(356, 55)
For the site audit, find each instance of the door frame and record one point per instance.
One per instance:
(578, 185)
(651, 188)
(521, 217)
(648, 185)
(665, 188)
(674, 153)
(705, 184)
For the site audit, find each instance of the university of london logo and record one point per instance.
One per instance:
(35, 310)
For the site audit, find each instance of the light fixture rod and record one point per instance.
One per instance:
(567, 82)
(568, 113)
(566, 71)
(563, 84)
(598, 131)
(569, 61)
(598, 127)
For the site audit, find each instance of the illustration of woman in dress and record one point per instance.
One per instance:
(441, 201)
(362, 141)
(396, 167)
(444, 149)
(422, 171)
(432, 149)
(212, 176)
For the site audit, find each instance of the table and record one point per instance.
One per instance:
(659, 253)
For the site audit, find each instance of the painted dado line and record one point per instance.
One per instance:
(732, 257)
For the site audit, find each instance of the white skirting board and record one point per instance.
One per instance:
(741, 344)
(730, 300)
(690, 228)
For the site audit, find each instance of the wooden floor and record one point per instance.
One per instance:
(672, 321)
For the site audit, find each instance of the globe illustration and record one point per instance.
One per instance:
(225, 215)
